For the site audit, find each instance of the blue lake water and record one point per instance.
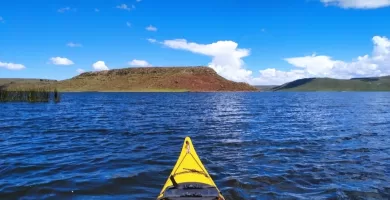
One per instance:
(271, 145)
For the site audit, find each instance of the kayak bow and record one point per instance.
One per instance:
(189, 179)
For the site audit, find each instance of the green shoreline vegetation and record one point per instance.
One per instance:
(34, 95)
(329, 84)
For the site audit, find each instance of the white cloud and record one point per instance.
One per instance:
(358, 4)
(378, 64)
(65, 9)
(226, 57)
(97, 10)
(314, 65)
(276, 77)
(99, 66)
(61, 61)
(71, 44)
(125, 7)
(382, 46)
(128, 24)
(12, 66)
(80, 71)
(139, 63)
(151, 28)
(151, 40)
(227, 61)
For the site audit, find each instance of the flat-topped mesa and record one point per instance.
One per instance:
(198, 78)
(195, 70)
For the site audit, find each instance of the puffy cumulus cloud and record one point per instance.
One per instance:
(12, 66)
(80, 71)
(378, 64)
(382, 46)
(226, 57)
(139, 63)
(277, 77)
(315, 65)
(358, 4)
(227, 60)
(100, 66)
(61, 61)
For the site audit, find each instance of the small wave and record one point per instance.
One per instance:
(357, 150)
(262, 145)
(271, 180)
(292, 150)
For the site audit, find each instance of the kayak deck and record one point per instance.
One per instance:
(189, 179)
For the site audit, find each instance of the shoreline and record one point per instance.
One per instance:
(150, 91)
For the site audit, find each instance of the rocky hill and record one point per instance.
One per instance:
(329, 84)
(147, 79)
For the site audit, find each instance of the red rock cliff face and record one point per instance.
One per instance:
(153, 78)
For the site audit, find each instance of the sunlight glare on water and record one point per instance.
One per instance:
(323, 145)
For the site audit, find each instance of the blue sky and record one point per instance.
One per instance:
(260, 42)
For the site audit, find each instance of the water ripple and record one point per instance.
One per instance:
(255, 145)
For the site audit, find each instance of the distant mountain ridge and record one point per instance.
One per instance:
(194, 79)
(265, 87)
(180, 79)
(329, 84)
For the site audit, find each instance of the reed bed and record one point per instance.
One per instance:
(35, 95)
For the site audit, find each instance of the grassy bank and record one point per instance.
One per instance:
(35, 95)
(132, 90)
(328, 84)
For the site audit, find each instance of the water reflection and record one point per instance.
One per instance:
(255, 145)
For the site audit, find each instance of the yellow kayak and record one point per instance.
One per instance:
(189, 179)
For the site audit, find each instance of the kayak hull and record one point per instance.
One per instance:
(189, 178)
